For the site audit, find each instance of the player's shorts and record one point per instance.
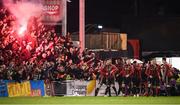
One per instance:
(110, 81)
(127, 80)
(103, 81)
(154, 81)
(120, 79)
(136, 81)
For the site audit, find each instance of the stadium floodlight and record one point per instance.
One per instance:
(100, 26)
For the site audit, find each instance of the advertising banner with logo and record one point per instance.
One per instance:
(57, 88)
(90, 88)
(19, 89)
(3, 88)
(80, 88)
(37, 88)
(51, 10)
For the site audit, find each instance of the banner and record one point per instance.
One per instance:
(3, 88)
(52, 11)
(56, 88)
(19, 89)
(91, 86)
(59, 88)
(37, 88)
(48, 88)
(135, 47)
(80, 88)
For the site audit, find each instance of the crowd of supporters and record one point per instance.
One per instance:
(38, 54)
(41, 54)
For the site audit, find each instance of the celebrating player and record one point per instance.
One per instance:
(153, 74)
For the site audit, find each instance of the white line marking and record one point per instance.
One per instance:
(91, 104)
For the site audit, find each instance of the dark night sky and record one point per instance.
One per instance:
(155, 22)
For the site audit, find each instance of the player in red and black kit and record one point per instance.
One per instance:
(107, 77)
(136, 79)
(101, 75)
(119, 75)
(127, 75)
(153, 74)
(144, 82)
(110, 77)
(166, 74)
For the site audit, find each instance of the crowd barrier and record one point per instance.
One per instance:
(72, 88)
(41, 88)
(78, 88)
(3, 89)
(54, 88)
(24, 88)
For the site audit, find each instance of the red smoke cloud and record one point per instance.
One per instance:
(23, 11)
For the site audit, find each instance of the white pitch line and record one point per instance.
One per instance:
(90, 104)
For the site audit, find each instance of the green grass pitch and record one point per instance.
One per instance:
(91, 100)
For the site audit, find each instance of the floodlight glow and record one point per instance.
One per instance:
(100, 26)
